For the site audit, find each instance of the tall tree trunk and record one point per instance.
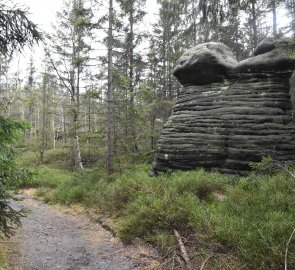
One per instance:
(164, 90)
(110, 115)
(254, 23)
(30, 90)
(42, 147)
(132, 128)
(75, 91)
(194, 23)
(30, 116)
(152, 131)
(64, 124)
(53, 129)
(274, 17)
(22, 105)
(89, 127)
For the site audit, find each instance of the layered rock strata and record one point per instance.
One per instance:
(228, 113)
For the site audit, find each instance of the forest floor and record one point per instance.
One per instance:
(54, 237)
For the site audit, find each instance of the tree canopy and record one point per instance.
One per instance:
(16, 29)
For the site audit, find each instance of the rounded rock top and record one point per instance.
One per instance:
(205, 63)
(213, 62)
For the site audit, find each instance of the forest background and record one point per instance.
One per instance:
(67, 99)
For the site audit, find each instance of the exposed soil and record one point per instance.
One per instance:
(51, 239)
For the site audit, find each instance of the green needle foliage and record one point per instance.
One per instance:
(10, 174)
(16, 30)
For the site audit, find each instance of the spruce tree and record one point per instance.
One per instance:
(16, 31)
(74, 22)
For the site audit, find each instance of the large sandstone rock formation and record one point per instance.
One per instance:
(228, 113)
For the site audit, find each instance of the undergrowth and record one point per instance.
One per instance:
(254, 220)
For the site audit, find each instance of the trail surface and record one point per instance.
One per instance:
(50, 239)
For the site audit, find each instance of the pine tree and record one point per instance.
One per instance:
(134, 13)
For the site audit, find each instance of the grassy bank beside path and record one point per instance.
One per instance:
(240, 222)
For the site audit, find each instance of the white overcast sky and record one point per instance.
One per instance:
(42, 12)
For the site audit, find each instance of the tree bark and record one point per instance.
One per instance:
(274, 17)
(254, 23)
(75, 89)
(42, 147)
(132, 128)
(110, 116)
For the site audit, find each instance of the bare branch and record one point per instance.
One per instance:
(58, 74)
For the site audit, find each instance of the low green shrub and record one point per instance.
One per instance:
(27, 159)
(45, 177)
(72, 191)
(257, 218)
(254, 220)
(58, 158)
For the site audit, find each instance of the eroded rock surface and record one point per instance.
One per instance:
(239, 114)
(205, 63)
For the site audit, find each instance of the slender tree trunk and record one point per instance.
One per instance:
(30, 89)
(53, 129)
(164, 90)
(194, 23)
(75, 92)
(78, 159)
(22, 105)
(30, 118)
(89, 127)
(42, 147)
(77, 152)
(169, 67)
(274, 17)
(152, 131)
(64, 125)
(134, 147)
(254, 26)
(110, 116)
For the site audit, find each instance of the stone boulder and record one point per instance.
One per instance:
(269, 44)
(241, 114)
(205, 63)
(270, 55)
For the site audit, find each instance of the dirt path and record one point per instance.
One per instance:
(50, 240)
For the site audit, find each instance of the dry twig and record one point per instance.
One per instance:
(285, 169)
(183, 250)
(204, 263)
(287, 248)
